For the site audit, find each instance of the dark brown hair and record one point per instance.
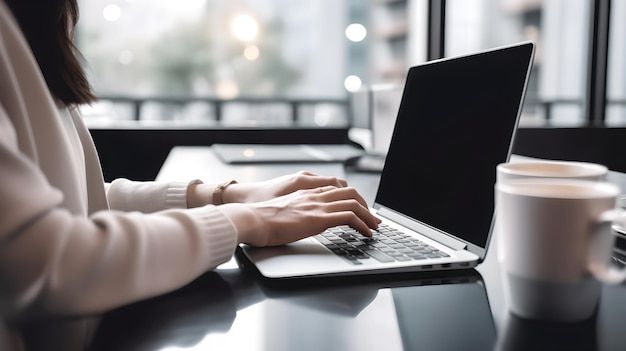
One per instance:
(49, 28)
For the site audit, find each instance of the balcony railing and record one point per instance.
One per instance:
(294, 108)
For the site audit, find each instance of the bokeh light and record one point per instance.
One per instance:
(352, 83)
(251, 52)
(227, 89)
(112, 12)
(356, 32)
(244, 27)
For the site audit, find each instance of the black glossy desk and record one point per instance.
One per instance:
(231, 308)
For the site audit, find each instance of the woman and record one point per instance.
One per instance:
(71, 244)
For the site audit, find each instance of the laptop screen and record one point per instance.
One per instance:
(455, 123)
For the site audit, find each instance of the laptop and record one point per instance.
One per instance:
(287, 153)
(456, 122)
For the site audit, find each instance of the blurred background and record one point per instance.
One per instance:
(162, 60)
(198, 72)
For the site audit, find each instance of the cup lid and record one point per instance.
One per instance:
(554, 169)
(559, 188)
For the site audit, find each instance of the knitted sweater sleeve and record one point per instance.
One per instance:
(56, 262)
(146, 197)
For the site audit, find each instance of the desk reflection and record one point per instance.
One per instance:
(229, 309)
(525, 334)
(182, 318)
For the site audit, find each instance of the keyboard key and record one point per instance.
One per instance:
(323, 240)
(402, 258)
(379, 256)
(386, 245)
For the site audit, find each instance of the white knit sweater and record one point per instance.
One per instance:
(62, 249)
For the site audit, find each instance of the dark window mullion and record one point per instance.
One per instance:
(595, 109)
(436, 29)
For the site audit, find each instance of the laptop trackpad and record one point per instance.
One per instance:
(295, 258)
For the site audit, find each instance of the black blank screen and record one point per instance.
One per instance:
(455, 124)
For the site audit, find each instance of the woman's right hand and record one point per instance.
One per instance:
(300, 214)
(266, 190)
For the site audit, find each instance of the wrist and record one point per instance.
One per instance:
(218, 197)
(197, 194)
(247, 222)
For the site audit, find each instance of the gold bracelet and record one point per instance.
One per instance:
(219, 190)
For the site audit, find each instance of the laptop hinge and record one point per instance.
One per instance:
(442, 238)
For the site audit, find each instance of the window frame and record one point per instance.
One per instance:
(597, 63)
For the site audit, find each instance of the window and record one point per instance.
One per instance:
(250, 62)
(560, 28)
(237, 62)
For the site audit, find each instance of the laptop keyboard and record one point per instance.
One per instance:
(386, 245)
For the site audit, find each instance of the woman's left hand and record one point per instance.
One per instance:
(273, 188)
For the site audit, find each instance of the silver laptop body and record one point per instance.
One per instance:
(456, 122)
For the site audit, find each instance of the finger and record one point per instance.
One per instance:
(342, 182)
(307, 173)
(351, 219)
(326, 188)
(361, 212)
(335, 194)
(311, 180)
